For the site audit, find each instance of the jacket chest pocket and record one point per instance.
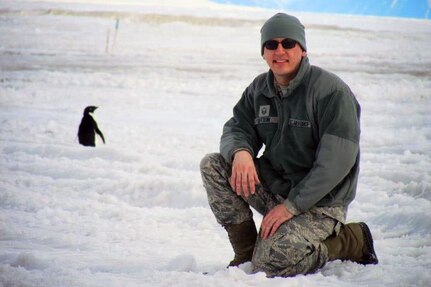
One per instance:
(298, 132)
(266, 128)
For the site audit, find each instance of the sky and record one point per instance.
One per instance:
(420, 9)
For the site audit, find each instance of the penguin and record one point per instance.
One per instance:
(88, 128)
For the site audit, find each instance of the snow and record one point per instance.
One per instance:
(133, 212)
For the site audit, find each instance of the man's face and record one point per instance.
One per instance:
(284, 63)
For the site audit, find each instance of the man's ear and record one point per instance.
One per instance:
(304, 53)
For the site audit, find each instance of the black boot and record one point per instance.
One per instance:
(242, 238)
(354, 243)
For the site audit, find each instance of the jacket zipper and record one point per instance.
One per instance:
(277, 136)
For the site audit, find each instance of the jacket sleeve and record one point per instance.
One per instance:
(239, 132)
(337, 153)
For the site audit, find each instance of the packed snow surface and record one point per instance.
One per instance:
(134, 212)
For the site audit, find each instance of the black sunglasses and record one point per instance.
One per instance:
(286, 43)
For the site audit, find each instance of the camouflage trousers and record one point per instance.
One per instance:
(296, 248)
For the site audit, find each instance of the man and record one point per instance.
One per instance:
(308, 121)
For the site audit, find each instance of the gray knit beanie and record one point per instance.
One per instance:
(282, 25)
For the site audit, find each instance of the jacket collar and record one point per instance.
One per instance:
(270, 91)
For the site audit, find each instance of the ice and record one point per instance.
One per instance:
(134, 212)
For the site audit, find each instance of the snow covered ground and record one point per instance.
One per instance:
(133, 212)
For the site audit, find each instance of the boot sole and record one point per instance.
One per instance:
(370, 258)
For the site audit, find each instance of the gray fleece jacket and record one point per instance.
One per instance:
(310, 135)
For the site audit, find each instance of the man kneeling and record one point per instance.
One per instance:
(308, 120)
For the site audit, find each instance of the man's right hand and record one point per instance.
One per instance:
(244, 176)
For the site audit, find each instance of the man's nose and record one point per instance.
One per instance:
(280, 48)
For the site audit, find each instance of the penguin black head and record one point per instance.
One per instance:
(89, 109)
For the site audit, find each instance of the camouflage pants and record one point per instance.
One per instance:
(296, 247)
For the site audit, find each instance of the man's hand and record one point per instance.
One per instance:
(272, 221)
(244, 176)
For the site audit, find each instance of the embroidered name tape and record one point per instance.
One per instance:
(299, 123)
(266, 120)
